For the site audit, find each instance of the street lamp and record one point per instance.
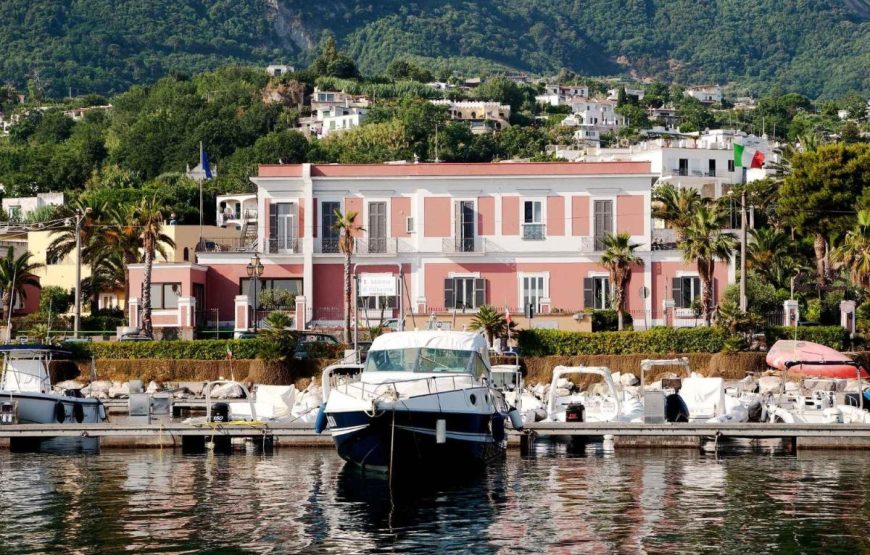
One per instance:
(255, 271)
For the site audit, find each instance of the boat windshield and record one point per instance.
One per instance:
(425, 360)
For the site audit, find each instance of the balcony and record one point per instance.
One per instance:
(534, 232)
(327, 246)
(284, 246)
(664, 239)
(463, 245)
(225, 244)
(380, 246)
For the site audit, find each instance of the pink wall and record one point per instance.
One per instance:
(630, 214)
(301, 220)
(580, 216)
(31, 300)
(186, 276)
(437, 217)
(328, 288)
(486, 215)
(400, 209)
(502, 286)
(555, 216)
(510, 215)
(664, 272)
(224, 279)
(355, 204)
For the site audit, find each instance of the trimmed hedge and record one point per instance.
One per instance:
(538, 342)
(835, 337)
(202, 349)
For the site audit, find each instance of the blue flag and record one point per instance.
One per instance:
(203, 161)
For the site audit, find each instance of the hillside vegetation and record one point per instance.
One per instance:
(816, 47)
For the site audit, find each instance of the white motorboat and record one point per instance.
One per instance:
(508, 378)
(613, 405)
(26, 393)
(827, 401)
(424, 398)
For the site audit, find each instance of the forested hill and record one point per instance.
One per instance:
(816, 47)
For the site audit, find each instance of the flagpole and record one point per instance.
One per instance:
(201, 179)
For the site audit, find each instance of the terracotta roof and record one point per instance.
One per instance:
(448, 169)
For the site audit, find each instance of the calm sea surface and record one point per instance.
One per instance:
(668, 501)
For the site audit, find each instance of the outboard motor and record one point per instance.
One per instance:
(575, 412)
(676, 409)
(220, 412)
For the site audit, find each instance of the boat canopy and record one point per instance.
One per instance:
(448, 340)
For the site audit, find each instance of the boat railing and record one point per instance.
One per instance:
(405, 388)
(208, 399)
(791, 364)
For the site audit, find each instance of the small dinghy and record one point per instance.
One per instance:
(804, 358)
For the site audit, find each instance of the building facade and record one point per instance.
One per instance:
(455, 236)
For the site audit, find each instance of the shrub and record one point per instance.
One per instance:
(537, 342)
(835, 337)
(54, 300)
(606, 320)
(208, 349)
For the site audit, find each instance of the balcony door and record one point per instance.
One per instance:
(283, 232)
(603, 221)
(377, 227)
(329, 236)
(464, 225)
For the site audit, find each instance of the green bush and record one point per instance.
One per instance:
(207, 349)
(835, 337)
(539, 342)
(54, 300)
(606, 320)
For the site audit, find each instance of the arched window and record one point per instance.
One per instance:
(186, 254)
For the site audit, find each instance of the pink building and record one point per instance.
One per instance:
(459, 235)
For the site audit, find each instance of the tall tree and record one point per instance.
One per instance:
(491, 321)
(705, 243)
(149, 220)
(619, 259)
(768, 253)
(819, 196)
(64, 240)
(347, 228)
(676, 206)
(854, 252)
(16, 272)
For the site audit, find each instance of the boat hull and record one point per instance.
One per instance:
(407, 440)
(41, 408)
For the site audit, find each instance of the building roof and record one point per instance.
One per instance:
(457, 170)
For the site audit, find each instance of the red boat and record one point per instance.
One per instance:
(804, 358)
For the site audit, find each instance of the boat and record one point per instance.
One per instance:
(508, 378)
(27, 395)
(613, 405)
(423, 399)
(804, 358)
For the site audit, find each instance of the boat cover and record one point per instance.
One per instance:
(704, 397)
(452, 340)
(786, 351)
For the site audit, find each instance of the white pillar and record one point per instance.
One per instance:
(242, 313)
(669, 309)
(847, 315)
(133, 308)
(186, 307)
(792, 313)
(301, 313)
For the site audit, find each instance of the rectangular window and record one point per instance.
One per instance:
(282, 227)
(686, 290)
(463, 221)
(711, 167)
(730, 165)
(684, 166)
(328, 217)
(533, 222)
(409, 224)
(292, 285)
(464, 293)
(603, 222)
(533, 291)
(596, 292)
(164, 296)
(377, 229)
(378, 303)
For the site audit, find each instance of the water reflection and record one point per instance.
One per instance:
(556, 501)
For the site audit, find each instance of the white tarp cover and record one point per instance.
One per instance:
(26, 375)
(453, 340)
(270, 401)
(704, 397)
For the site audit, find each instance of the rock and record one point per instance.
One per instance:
(153, 387)
(99, 389)
(119, 390)
(70, 384)
(769, 384)
(195, 388)
(227, 391)
(629, 379)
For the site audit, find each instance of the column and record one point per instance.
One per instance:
(186, 307)
(133, 307)
(847, 315)
(791, 313)
(242, 312)
(669, 311)
(301, 313)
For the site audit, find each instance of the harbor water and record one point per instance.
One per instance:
(308, 501)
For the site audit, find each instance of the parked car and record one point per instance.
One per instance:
(307, 339)
(135, 337)
(244, 335)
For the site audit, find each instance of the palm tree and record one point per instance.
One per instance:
(854, 252)
(108, 272)
(64, 240)
(676, 206)
(15, 274)
(704, 243)
(768, 253)
(619, 258)
(491, 321)
(347, 228)
(148, 217)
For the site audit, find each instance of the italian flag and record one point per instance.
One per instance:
(748, 157)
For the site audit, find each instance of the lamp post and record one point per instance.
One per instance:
(255, 271)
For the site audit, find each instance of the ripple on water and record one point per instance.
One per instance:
(307, 500)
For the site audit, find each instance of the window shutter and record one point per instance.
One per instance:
(588, 293)
(449, 298)
(678, 292)
(479, 292)
(273, 221)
